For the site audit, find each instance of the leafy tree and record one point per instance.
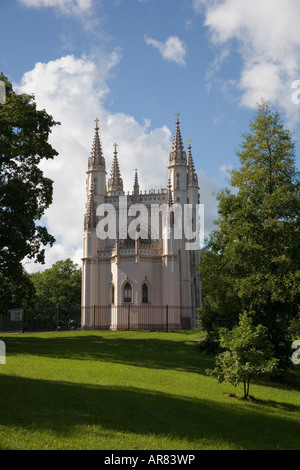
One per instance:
(252, 260)
(247, 354)
(220, 305)
(58, 286)
(57, 297)
(25, 193)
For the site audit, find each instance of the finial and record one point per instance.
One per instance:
(177, 117)
(189, 141)
(136, 170)
(96, 121)
(115, 145)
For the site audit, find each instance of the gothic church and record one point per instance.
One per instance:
(141, 283)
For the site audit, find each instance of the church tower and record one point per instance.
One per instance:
(96, 191)
(178, 167)
(193, 199)
(179, 175)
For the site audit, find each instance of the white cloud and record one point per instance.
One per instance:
(267, 36)
(73, 91)
(214, 68)
(173, 49)
(65, 6)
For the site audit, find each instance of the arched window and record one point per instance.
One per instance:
(127, 293)
(145, 294)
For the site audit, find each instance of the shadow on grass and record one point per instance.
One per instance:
(138, 350)
(277, 405)
(61, 408)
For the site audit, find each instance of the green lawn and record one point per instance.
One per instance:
(134, 390)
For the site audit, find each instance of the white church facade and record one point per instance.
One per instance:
(146, 281)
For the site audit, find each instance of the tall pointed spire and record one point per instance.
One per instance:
(96, 160)
(115, 182)
(177, 155)
(136, 186)
(192, 178)
(136, 179)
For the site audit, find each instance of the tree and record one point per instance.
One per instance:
(247, 354)
(58, 286)
(256, 245)
(57, 296)
(25, 193)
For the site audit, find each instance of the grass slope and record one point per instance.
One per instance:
(133, 390)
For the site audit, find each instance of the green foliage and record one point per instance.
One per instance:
(247, 354)
(25, 193)
(57, 300)
(58, 286)
(252, 260)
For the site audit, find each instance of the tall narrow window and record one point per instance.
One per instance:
(127, 293)
(112, 294)
(145, 294)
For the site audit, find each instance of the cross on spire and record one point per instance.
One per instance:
(96, 121)
(189, 142)
(115, 145)
(177, 117)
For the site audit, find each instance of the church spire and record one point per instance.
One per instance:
(136, 187)
(192, 178)
(115, 182)
(96, 160)
(177, 154)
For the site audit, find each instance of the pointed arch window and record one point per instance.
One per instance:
(127, 293)
(145, 294)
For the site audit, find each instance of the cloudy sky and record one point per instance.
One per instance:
(134, 64)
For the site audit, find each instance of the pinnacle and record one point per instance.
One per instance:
(192, 176)
(136, 180)
(115, 181)
(97, 158)
(90, 216)
(169, 194)
(178, 152)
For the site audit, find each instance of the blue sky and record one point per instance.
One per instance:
(134, 64)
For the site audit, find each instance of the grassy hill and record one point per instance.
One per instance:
(134, 390)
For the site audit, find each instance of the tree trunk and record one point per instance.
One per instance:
(246, 388)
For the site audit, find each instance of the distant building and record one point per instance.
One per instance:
(153, 276)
